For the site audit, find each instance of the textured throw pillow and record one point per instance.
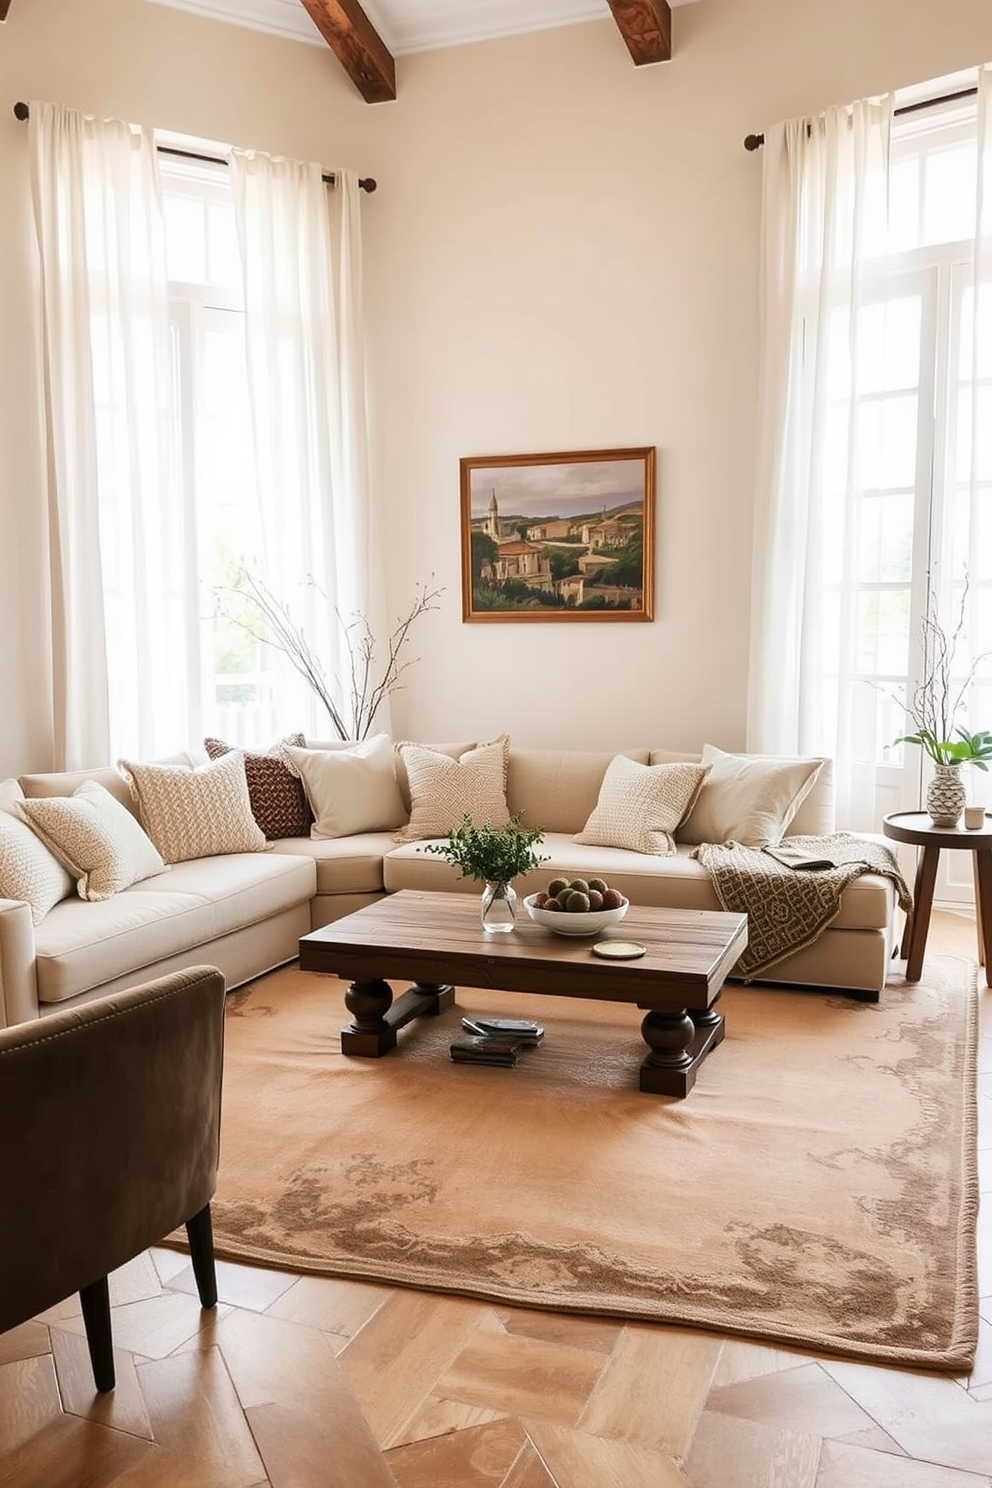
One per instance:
(748, 798)
(278, 801)
(351, 789)
(195, 811)
(443, 790)
(96, 838)
(640, 806)
(28, 871)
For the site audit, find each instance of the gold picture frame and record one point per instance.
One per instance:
(552, 537)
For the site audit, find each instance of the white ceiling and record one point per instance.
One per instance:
(410, 25)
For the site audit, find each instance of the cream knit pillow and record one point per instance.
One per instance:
(96, 838)
(443, 790)
(640, 806)
(196, 811)
(28, 871)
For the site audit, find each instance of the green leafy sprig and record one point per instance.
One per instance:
(494, 855)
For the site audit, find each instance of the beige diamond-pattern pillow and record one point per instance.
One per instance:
(28, 871)
(640, 806)
(196, 811)
(97, 839)
(443, 790)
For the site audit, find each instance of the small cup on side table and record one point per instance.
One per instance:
(974, 818)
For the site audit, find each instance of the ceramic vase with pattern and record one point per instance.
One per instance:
(945, 796)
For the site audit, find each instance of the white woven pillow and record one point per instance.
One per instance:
(28, 871)
(96, 838)
(350, 789)
(640, 806)
(748, 798)
(443, 790)
(195, 811)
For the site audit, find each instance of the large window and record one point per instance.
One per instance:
(244, 689)
(906, 465)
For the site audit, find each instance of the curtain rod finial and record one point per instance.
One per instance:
(21, 111)
(753, 141)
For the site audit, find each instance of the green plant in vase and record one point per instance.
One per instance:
(935, 705)
(494, 856)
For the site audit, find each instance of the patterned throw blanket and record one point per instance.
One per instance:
(788, 908)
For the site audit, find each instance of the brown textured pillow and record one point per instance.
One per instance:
(278, 801)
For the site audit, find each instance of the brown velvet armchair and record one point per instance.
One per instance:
(110, 1115)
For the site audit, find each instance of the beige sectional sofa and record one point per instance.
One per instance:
(245, 912)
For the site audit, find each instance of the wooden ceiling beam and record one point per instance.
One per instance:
(357, 45)
(646, 27)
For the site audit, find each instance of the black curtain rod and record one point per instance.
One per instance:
(755, 141)
(21, 111)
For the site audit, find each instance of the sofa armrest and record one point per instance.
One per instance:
(18, 979)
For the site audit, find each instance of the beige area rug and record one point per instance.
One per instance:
(817, 1187)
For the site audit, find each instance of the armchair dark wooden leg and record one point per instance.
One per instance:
(95, 1300)
(200, 1234)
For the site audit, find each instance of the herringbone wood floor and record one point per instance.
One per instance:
(315, 1383)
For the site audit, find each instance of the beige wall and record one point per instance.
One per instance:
(561, 255)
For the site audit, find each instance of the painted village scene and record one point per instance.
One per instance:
(566, 537)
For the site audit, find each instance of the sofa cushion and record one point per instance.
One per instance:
(640, 806)
(678, 882)
(747, 798)
(195, 811)
(64, 782)
(278, 801)
(557, 789)
(443, 790)
(96, 838)
(28, 870)
(351, 788)
(81, 945)
(345, 865)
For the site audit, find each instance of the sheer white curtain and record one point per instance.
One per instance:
(107, 393)
(301, 259)
(823, 214)
(115, 541)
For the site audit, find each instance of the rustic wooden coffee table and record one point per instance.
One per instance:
(436, 941)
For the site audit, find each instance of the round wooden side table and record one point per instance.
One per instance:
(916, 828)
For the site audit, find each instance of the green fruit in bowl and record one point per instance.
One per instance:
(578, 903)
(555, 887)
(599, 884)
(563, 896)
(579, 884)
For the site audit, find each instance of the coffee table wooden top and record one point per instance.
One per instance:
(438, 937)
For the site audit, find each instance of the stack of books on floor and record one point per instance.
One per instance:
(495, 1040)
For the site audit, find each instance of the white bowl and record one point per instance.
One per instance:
(562, 923)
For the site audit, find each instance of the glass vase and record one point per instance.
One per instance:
(946, 796)
(499, 908)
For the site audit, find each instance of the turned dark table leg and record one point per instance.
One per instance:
(914, 941)
(983, 907)
(376, 1018)
(679, 1042)
(436, 997)
(369, 1035)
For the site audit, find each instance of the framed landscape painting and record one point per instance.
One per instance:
(565, 536)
